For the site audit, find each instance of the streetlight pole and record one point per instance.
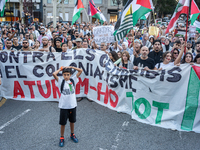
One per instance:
(44, 6)
(118, 2)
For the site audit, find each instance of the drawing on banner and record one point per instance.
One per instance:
(103, 34)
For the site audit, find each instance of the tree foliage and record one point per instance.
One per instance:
(164, 7)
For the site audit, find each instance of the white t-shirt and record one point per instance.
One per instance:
(165, 66)
(68, 98)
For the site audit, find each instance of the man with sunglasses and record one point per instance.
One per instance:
(103, 47)
(27, 35)
(42, 31)
(25, 46)
(64, 36)
(76, 35)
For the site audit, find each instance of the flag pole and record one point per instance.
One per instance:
(87, 15)
(186, 30)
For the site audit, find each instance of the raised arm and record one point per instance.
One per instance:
(178, 59)
(78, 69)
(56, 72)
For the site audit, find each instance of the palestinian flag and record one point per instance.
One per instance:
(145, 16)
(132, 12)
(195, 12)
(182, 7)
(192, 99)
(197, 25)
(2, 6)
(77, 11)
(96, 13)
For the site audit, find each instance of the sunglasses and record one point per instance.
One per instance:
(175, 53)
(24, 42)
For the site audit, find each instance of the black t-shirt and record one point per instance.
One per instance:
(17, 47)
(144, 63)
(58, 49)
(156, 56)
(125, 65)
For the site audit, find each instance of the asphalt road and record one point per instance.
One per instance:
(34, 126)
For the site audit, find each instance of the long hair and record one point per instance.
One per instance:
(127, 55)
(165, 54)
(172, 52)
(183, 60)
(114, 55)
(197, 56)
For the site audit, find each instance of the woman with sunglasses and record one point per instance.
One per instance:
(175, 54)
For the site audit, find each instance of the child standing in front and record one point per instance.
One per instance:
(67, 101)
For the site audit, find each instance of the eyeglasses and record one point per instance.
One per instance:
(24, 42)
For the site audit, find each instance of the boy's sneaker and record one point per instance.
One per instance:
(73, 137)
(61, 143)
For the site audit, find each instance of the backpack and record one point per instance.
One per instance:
(63, 83)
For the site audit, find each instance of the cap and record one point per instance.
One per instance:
(78, 40)
(189, 42)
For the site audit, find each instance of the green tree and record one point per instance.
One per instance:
(164, 7)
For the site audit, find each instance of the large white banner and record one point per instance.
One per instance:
(162, 98)
(103, 34)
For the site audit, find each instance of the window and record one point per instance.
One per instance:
(76, 1)
(111, 3)
(65, 1)
(49, 1)
(97, 1)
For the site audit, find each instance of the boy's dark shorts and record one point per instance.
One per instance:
(67, 113)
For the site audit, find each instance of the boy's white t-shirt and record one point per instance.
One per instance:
(68, 98)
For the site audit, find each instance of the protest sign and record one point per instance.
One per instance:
(103, 34)
(153, 31)
(168, 98)
(192, 31)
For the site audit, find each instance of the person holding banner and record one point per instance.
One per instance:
(156, 54)
(64, 47)
(78, 44)
(144, 61)
(67, 100)
(25, 46)
(45, 47)
(114, 57)
(125, 62)
(167, 59)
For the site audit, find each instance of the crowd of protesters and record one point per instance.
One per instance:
(137, 50)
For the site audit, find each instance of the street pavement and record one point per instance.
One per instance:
(34, 126)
